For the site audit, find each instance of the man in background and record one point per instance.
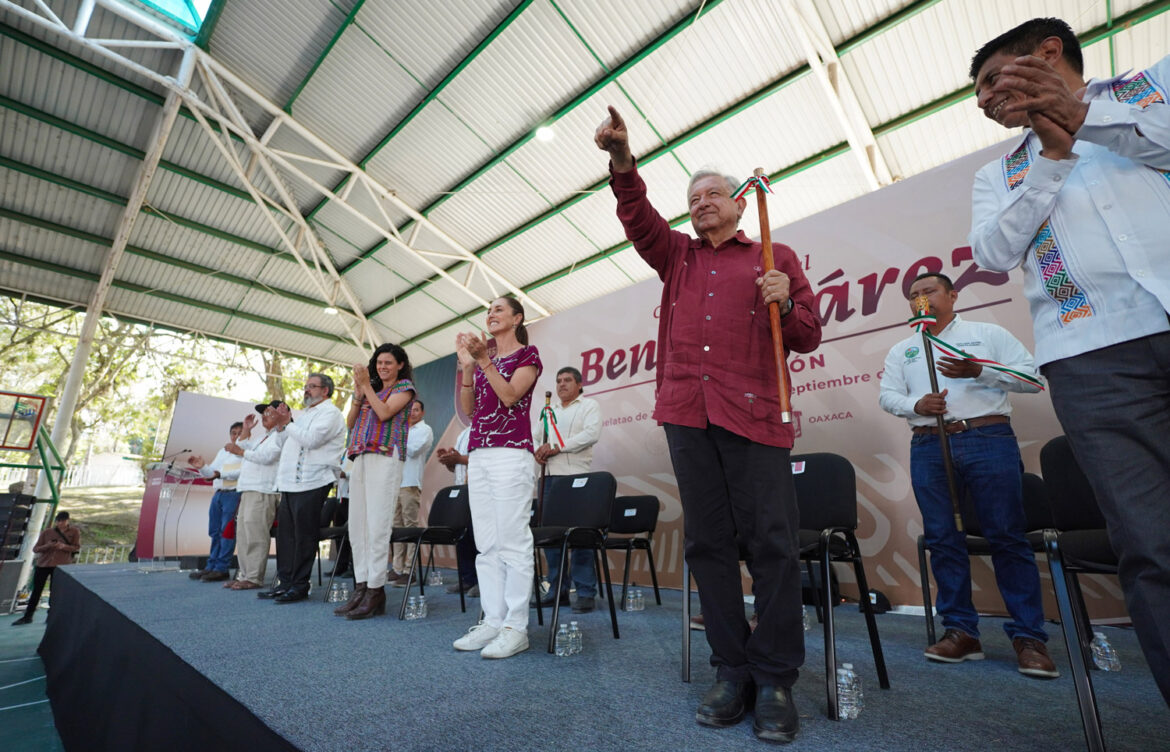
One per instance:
(418, 443)
(223, 471)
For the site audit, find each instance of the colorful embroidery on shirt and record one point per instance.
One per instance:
(1055, 278)
(1141, 90)
(1015, 166)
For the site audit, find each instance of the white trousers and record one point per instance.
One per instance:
(500, 484)
(373, 493)
(253, 523)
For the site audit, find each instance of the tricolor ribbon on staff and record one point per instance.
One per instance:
(752, 183)
(920, 321)
(548, 417)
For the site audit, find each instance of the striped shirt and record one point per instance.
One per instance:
(370, 435)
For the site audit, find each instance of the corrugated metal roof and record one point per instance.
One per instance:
(730, 89)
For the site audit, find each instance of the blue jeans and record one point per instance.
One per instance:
(987, 463)
(581, 570)
(222, 509)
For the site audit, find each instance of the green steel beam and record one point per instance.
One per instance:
(663, 150)
(431, 95)
(12, 293)
(1097, 34)
(172, 297)
(203, 40)
(324, 53)
(114, 198)
(162, 258)
(582, 96)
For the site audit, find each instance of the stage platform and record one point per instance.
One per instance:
(159, 662)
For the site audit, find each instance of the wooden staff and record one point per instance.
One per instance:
(544, 465)
(944, 440)
(773, 307)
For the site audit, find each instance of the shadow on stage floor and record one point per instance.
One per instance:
(159, 662)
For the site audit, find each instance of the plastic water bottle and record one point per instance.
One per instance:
(1104, 656)
(575, 641)
(639, 600)
(412, 608)
(849, 699)
(435, 578)
(422, 607)
(804, 617)
(630, 600)
(562, 641)
(334, 593)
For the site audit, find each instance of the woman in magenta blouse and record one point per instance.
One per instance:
(378, 425)
(496, 391)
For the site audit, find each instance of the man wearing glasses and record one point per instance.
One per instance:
(307, 469)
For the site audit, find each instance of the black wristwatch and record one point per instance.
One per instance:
(788, 310)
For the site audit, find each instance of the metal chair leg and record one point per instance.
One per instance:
(653, 575)
(1082, 681)
(612, 605)
(927, 603)
(830, 635)
(552, 627)
(686, 622)
(875, 641)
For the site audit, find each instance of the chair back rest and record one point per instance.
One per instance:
(328, 510)
(1073, 504)
(634, 514)
(451, 508)
(1037, 510)
(584, 500)
(826, 491)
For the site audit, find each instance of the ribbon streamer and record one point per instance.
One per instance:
(920, 322)
(548, 416)
(754, 182)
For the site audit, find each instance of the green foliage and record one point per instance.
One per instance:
(134, 375)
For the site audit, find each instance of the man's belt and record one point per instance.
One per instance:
(958, 426)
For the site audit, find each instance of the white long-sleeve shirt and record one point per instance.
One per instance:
(580, 426)
(905, 378)
(418, 443)
(228, 467)
(1090, 231)
(260, 460)
(311, 455)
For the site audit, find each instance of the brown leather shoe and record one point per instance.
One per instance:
(373, 603)
(246, 585)
(215, 575)
(1033, 660)
(359, 592)
(955, 647)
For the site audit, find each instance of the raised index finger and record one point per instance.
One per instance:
(615, 118)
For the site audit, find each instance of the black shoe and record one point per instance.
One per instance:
(776, 716)
(292, 595)
(275, 592)
(584, 604)
(197, 574)
(22, 621)
(548, 600)
(724, 703)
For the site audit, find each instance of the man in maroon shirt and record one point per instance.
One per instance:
(717, 403)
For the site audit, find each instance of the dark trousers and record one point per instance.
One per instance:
(735, 491)
(40, 576)
(1114, 406)
(298, 532)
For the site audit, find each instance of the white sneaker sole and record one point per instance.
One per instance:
(478, 642)
(520, 647)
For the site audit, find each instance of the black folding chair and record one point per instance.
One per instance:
(1038, 516)
(329, 531)
(826, 493)
(1077, 544)
(447, 522)
(576, 515)
(634, 520)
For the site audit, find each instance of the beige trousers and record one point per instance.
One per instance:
(253, 522)
(406, 515)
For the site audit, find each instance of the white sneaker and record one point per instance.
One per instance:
(477, 637)
(508, 643)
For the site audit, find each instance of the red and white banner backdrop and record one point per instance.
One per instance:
(860, 258)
